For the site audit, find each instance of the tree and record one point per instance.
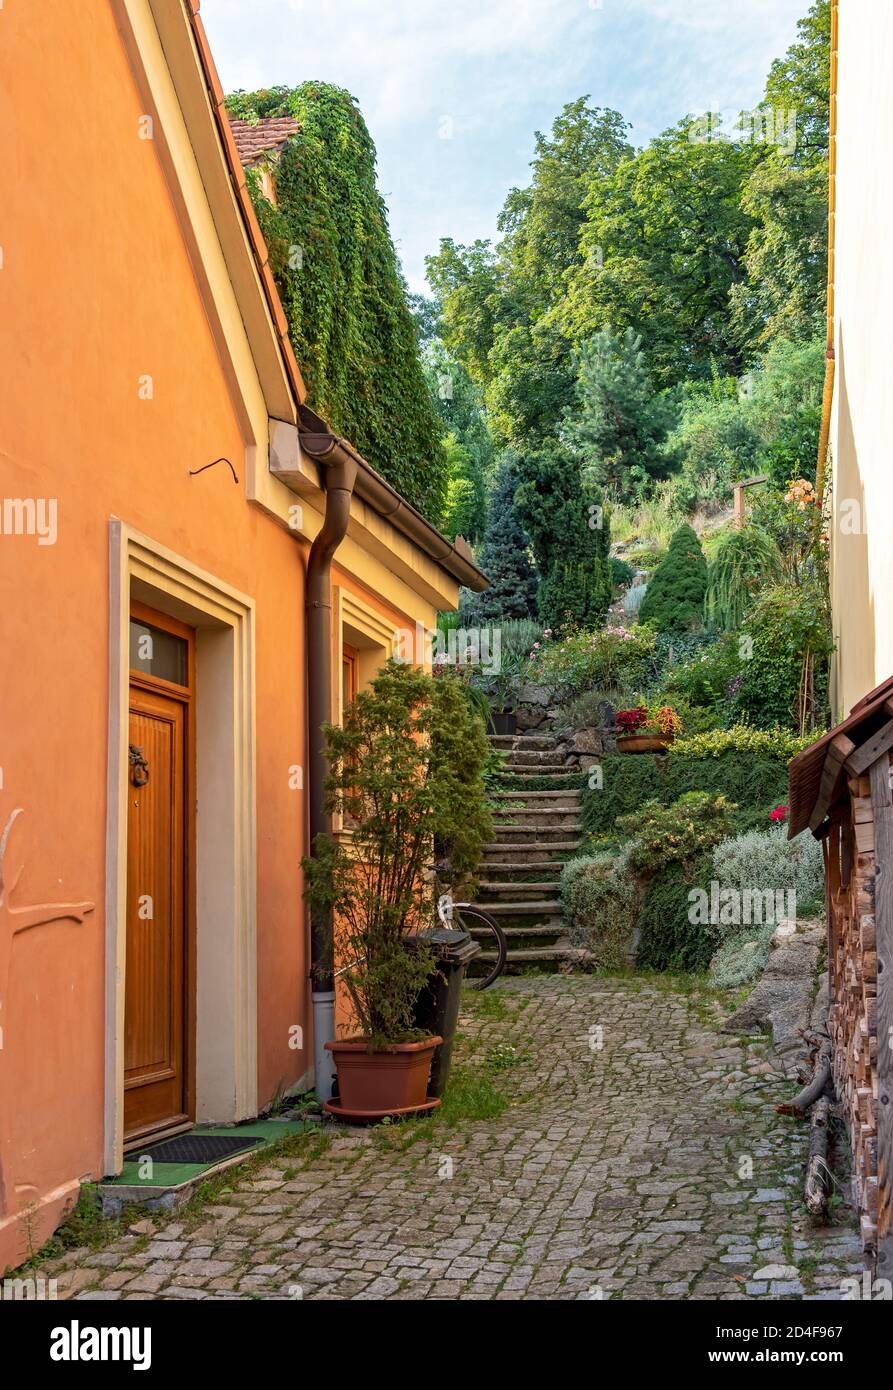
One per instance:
(619, 424)
(340, 283)
(505, 555)
(570, 536)
(458, 404)
(465, 508)
(661, 249)
(800, 82)
(674, 600)
(786, 255)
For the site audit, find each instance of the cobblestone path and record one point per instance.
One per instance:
(639, 1156)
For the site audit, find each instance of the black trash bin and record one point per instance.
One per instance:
(437, 1007)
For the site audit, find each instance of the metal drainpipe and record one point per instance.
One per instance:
(340, 476)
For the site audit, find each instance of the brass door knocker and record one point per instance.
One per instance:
(139, 768)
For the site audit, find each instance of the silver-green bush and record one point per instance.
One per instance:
(600, 901)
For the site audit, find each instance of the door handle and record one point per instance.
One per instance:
(139, 767)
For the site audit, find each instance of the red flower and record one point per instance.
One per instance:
(631, 719)
(779, 814)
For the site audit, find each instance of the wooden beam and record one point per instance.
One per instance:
(839, 749)
(882, 801)
(871, 750)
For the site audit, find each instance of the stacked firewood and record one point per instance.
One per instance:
(853, 1014)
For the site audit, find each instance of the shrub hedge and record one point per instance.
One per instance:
(755, 782)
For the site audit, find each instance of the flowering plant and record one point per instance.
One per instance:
(629, 720)
(779, 814)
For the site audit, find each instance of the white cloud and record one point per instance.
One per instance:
(490, 72)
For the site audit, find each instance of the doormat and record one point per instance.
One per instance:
(195, 1148)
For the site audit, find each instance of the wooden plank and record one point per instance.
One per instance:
(871, 750)
(882, 800)
(839, 749)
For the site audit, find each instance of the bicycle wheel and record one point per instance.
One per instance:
(490, 936)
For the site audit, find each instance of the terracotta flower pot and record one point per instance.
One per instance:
(643, 743)
(372, 1085)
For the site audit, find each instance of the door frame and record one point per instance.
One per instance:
(184, 695)
(225, 874)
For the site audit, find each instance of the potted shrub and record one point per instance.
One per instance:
(405, 767)
(644, 732)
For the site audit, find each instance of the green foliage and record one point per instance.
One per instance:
(504, 556)
(680, 832)
(669, 939)
(745, 739)
(622, 572)
(716, 442)
(600, 900)
(465, 506)
(754, 780)
(569, 534)
(618, 423)
(517, 638)
(741, 959)
(343, 293)
(761, 861)
(660, 251)
(459, 405)
(786, 408)
(785, 679)
(800, 82)
(743, 563)
(608, 659)
(405, 768)
(675, 598)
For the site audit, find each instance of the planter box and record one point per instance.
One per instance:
(643, 743)
(374, 1084)
(504, 723)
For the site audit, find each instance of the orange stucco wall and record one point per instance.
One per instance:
(96, 292)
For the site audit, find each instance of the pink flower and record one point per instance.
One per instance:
(536, 646)
(547, 632)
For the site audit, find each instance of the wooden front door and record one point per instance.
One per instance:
(157, 1013)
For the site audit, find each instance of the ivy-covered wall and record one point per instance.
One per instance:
(342, 288)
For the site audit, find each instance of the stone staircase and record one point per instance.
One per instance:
(536, 830)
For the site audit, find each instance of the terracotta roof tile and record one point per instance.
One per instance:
(254, 140)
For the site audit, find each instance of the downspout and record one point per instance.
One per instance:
(340, 471)
(828, 393)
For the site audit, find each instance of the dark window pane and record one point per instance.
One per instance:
(158, 653)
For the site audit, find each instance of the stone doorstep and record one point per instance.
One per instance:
(113, 1197)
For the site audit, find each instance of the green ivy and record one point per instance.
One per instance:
(340, 282)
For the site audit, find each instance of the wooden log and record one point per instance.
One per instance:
(882, 801)
(873, 748)
(818, 1176)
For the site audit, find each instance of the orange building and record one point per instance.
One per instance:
(174, 625)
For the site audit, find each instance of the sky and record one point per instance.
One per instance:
(453, 90)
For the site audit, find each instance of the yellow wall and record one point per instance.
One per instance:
(862, 424)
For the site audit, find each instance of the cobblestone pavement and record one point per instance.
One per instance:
(639, 1157)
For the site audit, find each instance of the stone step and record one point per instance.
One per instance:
(565, 819)
(524, 742)
(509, 769)
(522, 938)
(537, 834)
(523, 889)
(545, 907)
(545, 796)
(544, 847)
(547, 958)
(530, 758)
(494, 868)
